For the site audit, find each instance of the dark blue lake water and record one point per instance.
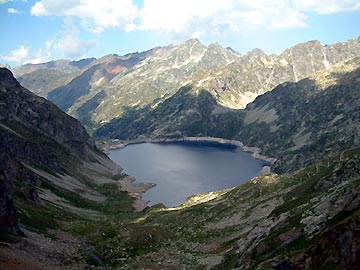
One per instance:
(182, 169)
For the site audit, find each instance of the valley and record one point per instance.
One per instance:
(66, 205)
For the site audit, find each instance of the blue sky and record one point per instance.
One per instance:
(40, 31)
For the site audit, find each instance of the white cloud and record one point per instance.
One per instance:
(203, 17)
(191, 17)
(327, 6)
(66, 44)
(98, 30)
(42, 55)
(18, 55)
(179, 16)
(182, 19)
(8, 1)
(94, 13)
(70, 45)
(38, 10)
(206, 17)
(23, 55)
(14, 11)
(293, 19)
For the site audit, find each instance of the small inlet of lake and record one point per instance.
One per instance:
(182, 169)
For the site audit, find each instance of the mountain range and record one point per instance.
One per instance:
(65, 205)
(97, 91)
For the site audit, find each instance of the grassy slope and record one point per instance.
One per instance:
(266, 223)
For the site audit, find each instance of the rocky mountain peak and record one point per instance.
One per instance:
(306, 45)
(216, 48)
(255, 53)
(216, 55)
(191, 48)
(215, 45)
(82, 62)
(233, 51)
(191, 42)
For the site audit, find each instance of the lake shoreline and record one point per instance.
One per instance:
(136, 190)
(119, 144)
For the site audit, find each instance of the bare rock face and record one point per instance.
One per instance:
(24, 109)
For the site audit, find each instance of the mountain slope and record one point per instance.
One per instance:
(308, 120)
(42, 78)
(232, 79)
(255, 73)
(93, 78)
(297, 123)
(51, 172)
(159, 76)
(63, 193)
(190, 112)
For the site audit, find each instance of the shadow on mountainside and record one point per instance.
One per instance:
(187, 113)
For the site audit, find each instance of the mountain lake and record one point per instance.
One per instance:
(182, 169)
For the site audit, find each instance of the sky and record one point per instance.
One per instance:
(41, 31)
